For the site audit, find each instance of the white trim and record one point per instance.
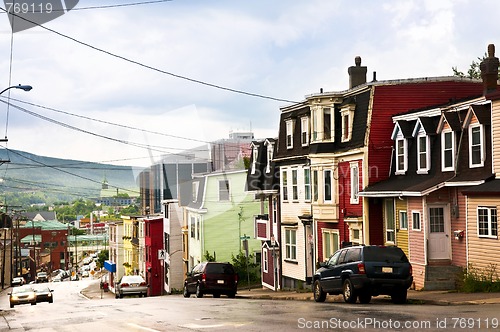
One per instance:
(304, 128)
(404, 155)
(445, 168)
(289, 132)
(413, 212)
(426, 169)
(481, 145)
(489, 221)
(354, 186)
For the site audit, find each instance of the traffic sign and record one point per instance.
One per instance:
(162, 254)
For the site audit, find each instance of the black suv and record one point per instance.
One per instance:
(211, 278)
(364, 271)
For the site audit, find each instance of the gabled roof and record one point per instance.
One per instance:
(405, 127)
(452, 118)
(429, 124)
(481, 112)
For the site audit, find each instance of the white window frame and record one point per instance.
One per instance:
(420, 169)
(325, 185)
(295, 184)
(481, 145)
(265, 261)
(195, 186)
(401, 213)
(315, 122)
(304, 131)
(349, 113)
(289, 134)
(307, 185)
(327, 252)
(391, 230)
(332, 124)
(445, 168)
(284, 184)
(404, 155)
(228, 191)
(270, 155)
(291, 244)
(354, 174)
(419, 214)
(492, 222)
(255, 155)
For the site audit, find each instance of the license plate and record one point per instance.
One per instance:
(386, 269)
(220, 281)
(134, 285)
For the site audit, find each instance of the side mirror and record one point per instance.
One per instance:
(322, 264)
(189, 274)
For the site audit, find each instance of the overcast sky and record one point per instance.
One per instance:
(282, 49)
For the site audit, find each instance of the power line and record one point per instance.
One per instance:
(119, 5)
(212, 85)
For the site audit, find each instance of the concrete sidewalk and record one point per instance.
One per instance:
(94, 292)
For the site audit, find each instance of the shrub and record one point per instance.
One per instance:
(476, 280)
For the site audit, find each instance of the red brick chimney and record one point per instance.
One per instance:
(489, 71)
(357, 74)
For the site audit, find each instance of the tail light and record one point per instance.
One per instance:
(204, 277)
(124, 285)
(411, 270)
(361, 268)
(235, 278)
(143, 284)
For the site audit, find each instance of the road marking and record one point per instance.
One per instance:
(142, 327)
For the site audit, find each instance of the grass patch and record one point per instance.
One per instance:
(479, 280)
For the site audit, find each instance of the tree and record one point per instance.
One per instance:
(474, 71)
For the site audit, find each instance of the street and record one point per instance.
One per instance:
(73, 312)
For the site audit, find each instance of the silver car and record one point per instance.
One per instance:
(131, 285)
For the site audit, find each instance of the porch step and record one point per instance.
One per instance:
(441, 277)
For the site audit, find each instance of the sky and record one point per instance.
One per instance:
(125, 85)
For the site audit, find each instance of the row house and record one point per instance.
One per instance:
(330, 147)
(263, 182)
(219, 217)
(439, 153)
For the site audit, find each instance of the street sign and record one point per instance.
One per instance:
(245, 237)
(162, 254)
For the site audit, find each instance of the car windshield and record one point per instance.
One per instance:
(22, 289)
(220, 269)
(385, 254)
(132, 279)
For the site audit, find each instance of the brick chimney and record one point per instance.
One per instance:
(357, 74)
(489, 71)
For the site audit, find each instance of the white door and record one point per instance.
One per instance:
(439, 233)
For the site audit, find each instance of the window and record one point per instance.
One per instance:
(193, 226)
(345, 126)
(255, 154)
(291, 244)
(356, 236)
(307, 184)
(436, 220)
(448, 151)
(354, 183)
(289, 134)
(295, 189)
(423, 158)
(315, 186)
(270, 148)
(328, 185)
(403, 220)
(304, 129)
(284, 188)
(416, 221)
(389, 221)
(315, 125)
(401, 156)
(330, 242)
(265, 262)
(198, 227)
(327, 124)
(194, 189)
(487, 225)
(476, 149)
(223, 190)
(347, 114)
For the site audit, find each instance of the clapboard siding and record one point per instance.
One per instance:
(481, 251)
(401, 234)
(495, 127)
(416, 242)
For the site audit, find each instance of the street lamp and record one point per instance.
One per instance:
(22, 87)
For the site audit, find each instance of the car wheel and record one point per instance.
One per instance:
(51, 301)
(231, 295)
(116, 296)
(349, 292)
(33, 303)
(185, 292)
(319, 294)
(11, 305)
(365, 297)
(399, 296)
(145, 294)
(199, 293)
(216, 295)
(121, 296)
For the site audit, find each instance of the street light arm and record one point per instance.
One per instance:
(22, 87)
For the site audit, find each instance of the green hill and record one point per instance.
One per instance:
(39, 179)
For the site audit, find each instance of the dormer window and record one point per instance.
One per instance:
(194, 190)
(322, 124)
(448, 151)
(423, 151)
(476, 146)
(269, 157)
(304, 131)
(289, 134)
(401, 156)
(347, 114)
(255, 154)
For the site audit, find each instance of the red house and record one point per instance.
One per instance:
(153, 241)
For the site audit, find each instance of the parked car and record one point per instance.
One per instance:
(17, 281)
(22, 295)
(364, 271)
(131, 285)
(211, 278)
(42, 277)
(44, 294)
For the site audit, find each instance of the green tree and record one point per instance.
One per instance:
(103, 256)
(246, 268)
(474, 71)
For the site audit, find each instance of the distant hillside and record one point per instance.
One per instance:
(52, 179)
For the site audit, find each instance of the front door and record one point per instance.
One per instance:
(439, 233)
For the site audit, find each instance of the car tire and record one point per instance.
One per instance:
(231, 295)
(51, 301)
(199, 293)
(120, 295)
(117, 296)
(33, 303)
(319, 294)
(216, 295)
(11, 305)
(365, 297)
(348, 291)
(399, 296)
(185, 292)
(145, 294)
